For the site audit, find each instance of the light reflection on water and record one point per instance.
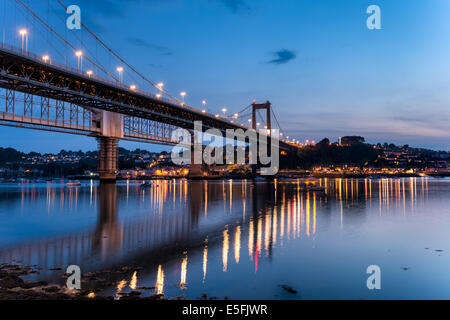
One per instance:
(237, 238)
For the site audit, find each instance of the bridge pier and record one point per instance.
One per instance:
(111, 131)
(108, 159)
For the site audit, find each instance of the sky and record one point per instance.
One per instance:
(325, 73)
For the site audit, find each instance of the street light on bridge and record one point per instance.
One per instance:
(89, 73)
(79, 55)
(183, 95)
(24, 35)
(120, 71)
(46, 58)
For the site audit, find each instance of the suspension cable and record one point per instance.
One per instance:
(122, 60)
(59, 36)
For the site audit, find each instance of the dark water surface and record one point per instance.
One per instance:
(238, 239)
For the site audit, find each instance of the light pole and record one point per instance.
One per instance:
(224, 110)
(160, 88)
(46, 58)
(120, 71)
(183, 95)
(24, 34)
(89, 73)
(204, 106)
(79, 55)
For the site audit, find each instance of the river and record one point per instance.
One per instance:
(237, 239)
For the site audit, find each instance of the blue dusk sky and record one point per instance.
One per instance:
(325, 72)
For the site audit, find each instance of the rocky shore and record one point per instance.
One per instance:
(14, 286)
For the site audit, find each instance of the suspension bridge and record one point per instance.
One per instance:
(38, 92)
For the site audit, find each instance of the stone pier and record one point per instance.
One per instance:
(108, 159)
(112, 128)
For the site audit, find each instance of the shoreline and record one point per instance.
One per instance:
(279, 176)
(15, 286)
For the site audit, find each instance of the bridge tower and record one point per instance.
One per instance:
(258, 106)
(255, 108)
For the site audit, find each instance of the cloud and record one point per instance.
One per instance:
(283, 56)
(145, 44)
(236, 6)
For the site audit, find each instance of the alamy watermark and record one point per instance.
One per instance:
(243, 147)
(73, 22)
(74, 280)
(374, 280)
(374, 20)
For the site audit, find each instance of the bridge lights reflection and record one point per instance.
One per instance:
(133, 282)
(160, 281)
(183, 272)
(205, 258)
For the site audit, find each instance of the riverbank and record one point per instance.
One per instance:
(14, 285)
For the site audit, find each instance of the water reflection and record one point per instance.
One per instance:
(173, 219)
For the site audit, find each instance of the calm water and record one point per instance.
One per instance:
(237, 239)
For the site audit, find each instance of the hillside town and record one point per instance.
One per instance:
(383, 159)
